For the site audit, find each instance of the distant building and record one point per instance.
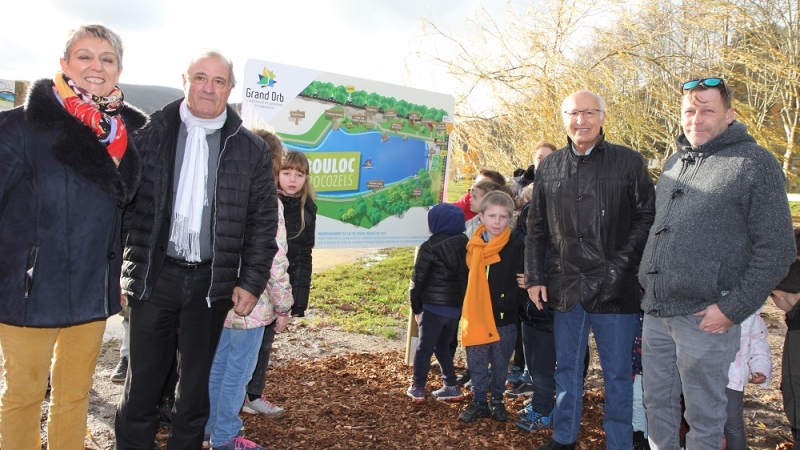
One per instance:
(12, 93)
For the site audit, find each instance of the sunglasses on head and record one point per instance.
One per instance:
(707, 82)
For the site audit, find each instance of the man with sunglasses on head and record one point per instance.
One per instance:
(592, 207)
(721, 241)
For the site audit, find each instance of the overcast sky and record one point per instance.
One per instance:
(363, 38)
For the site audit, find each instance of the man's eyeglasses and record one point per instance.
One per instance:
(586, 113)
(707, 82)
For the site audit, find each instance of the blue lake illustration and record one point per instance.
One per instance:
(391, 161)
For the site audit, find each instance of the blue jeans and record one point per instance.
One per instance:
(435, 333)
(677, 356)
(540, 360)
(639, 419)
(234, 362)
(613, 334)
(497, 354)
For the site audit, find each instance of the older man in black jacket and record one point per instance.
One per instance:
(594, 205)
(200, 239)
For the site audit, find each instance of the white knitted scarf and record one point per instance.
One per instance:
(191, 197)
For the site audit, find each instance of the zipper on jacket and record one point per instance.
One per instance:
(117, 213)
(602, 199)
(214, 221)
(557, 202)
(30, 268)
(33, 253)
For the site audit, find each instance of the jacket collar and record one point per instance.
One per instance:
(171, 116)
(599, 145)
(76, 146)
(735, 133)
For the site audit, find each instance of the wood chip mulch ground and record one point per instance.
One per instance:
(358, 400)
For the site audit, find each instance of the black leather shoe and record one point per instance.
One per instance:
(553, 444)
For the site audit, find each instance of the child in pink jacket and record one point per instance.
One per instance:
(753, 364)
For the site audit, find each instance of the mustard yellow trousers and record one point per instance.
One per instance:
(69, 356)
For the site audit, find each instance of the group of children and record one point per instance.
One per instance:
(471, 278)
(470, 272)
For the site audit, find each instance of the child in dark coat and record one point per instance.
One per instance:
(489, 313)
(436, 293)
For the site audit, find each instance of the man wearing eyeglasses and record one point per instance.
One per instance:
(721, 241)
(593, 205)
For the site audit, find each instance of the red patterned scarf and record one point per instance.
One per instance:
(96, 112)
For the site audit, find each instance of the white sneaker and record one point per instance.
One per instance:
(262, 406)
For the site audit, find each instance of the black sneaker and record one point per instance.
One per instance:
(498, 407)
(463, 378)
(475, 411)
(121, 371)
(521, 388)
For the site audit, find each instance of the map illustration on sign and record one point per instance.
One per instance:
(377, 152)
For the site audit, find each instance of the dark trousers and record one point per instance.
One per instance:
(735, 436)
(540, 357)
(256, 385)
(435, 335)
(495, 355)
(790, 378)
(178, 301)
(519, 349)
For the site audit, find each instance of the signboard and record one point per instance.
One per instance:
(378, 152)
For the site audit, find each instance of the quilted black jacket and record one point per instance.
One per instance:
(244, 214)
(433, 280)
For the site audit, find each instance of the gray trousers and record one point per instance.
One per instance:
(677, 356)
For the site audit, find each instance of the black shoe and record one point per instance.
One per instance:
(498, 408)
(463, 378)
(165, 411)
(121, 371)
(521, 388)
(474, 411)
(553, 444)
(639, 441)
